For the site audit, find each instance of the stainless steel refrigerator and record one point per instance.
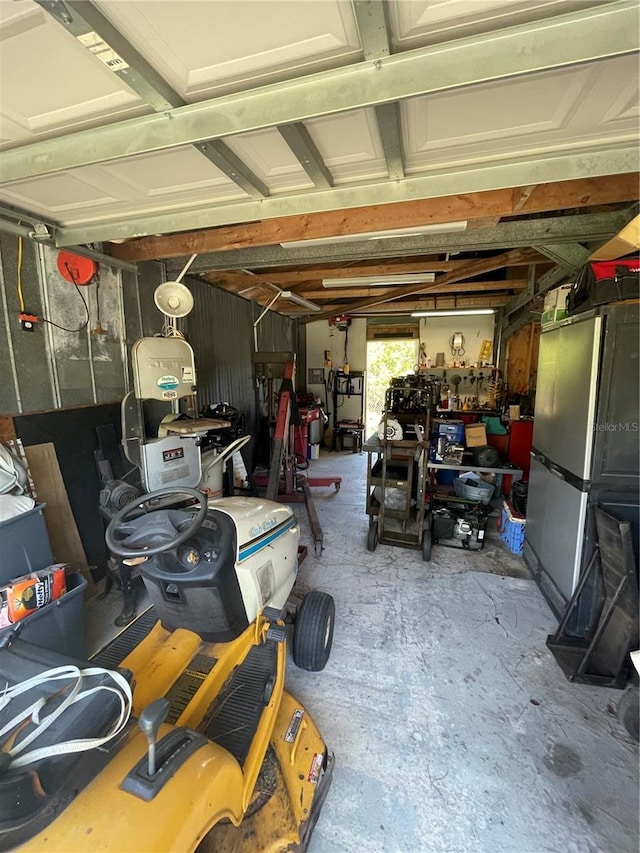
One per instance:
(585, 442)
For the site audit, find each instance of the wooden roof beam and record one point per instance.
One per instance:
(302, 277)
(360, 220)
(461, 287)
(467, 270)
(432, 303)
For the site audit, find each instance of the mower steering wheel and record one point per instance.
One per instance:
(120, 519)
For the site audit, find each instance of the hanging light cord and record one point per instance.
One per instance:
(84, 302)
(43, 319)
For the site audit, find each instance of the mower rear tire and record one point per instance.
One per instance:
(313, 631)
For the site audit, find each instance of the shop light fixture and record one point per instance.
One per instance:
(456, 312)
(380, 280)
(387, 234)
(300, 300)
(281, 294)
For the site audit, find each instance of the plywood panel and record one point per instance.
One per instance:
(7, 429)
(63, 533)
(522, 359)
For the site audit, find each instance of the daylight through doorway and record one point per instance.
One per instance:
(386, 359)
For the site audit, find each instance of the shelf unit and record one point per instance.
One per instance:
(347, 385)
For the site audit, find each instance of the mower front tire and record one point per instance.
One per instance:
(313, 631)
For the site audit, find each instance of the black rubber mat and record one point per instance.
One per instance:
(188, 685)
(112, 655)
(237, 710)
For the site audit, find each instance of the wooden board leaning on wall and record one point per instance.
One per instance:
(64, 538)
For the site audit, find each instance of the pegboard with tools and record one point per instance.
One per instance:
(467, 388)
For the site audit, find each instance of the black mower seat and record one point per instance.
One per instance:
(23, 810)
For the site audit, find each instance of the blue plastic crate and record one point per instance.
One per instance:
(512, 530)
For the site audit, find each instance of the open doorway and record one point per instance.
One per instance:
(386, 359)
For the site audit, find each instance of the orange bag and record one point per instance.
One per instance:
(29, 593)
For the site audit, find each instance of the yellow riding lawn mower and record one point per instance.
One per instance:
(179, 735)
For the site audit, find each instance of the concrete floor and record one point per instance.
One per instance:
(454, 729)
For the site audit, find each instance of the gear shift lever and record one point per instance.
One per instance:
(150, 721)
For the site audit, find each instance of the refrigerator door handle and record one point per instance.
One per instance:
(557, 472)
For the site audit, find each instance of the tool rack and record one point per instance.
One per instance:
(346, 386)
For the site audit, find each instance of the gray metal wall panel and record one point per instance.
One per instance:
(88, 358)
(150, 275)
(29, 348)
(9, 392)
(88, 369)
(55, 367)
(131, 305)
(275, 332)
(220, 330)
(301, 349)
(132, 318)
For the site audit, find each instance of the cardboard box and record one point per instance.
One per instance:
(555, 304)
(475, 435)
(514, 413)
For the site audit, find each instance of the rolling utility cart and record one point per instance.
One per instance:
(396, 470)
(395, 491)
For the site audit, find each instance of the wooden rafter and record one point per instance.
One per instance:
(543, 197)
(468, 269)
(433, 303)
(293, 277)
(460, 287)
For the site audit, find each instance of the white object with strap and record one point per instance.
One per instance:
(12, 472)
(74, 694)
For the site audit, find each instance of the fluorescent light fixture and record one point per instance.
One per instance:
(438, 228)
(380, 280)
(285, 294)
(299, 300)
(458, 312)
